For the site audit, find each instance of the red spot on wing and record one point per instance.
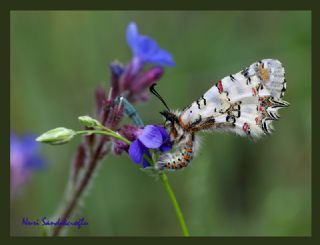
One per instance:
(246, 128)
(254, 92)
(257, 120)
(220, 87)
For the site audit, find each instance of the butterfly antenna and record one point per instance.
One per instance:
(152, 90)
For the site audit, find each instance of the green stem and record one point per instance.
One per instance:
(165, 182)
(175, 204)
(106, 133)
(162, 175)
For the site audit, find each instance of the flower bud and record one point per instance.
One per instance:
(57, 136)
(130, 132)
(118, 147)
(117, 69)
(100, 96)
(90, 122)
(147, 79)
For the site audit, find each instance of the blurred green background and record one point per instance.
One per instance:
(234, 187)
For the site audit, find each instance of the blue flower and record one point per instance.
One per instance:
(24, 159)
(146, 49)
(152, 137)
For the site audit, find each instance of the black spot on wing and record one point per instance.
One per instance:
(231, 119)
(198, 104)
(245, 72)
(204, 100)
(232, 78)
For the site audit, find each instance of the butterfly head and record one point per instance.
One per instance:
(172, 124)
(169, 116)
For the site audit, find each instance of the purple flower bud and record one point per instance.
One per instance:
(117, 71)
(130, 132)
(118, 147)
(79, 160)
(106, 109)
(132, 71)
(147, 79)
(100, 96)
(115, 116)
(142, 96)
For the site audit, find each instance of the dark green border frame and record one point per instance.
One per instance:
(151, 5)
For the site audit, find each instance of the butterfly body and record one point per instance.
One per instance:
(244, 103)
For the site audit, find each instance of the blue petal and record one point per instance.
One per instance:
(29, 144)
(147, 49)
(28, 147)
(132, 35)
(14, 142)
(162, 57)
(145, 163)
(136, 151)
(31, 151)
(163, 132)
(35, 162)
(167, 146)
(151, 137)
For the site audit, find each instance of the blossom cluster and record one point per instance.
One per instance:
(132, 82)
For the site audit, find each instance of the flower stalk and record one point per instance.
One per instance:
(176, 206)
(93, 164)
(129, 84)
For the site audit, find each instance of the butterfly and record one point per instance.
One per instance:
(245, 103)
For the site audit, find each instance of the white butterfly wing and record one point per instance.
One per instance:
(245, 103)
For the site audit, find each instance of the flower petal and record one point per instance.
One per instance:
(136, 151)
(167, 146)
(146, 49)
(145, 163)
(29, 144)
(163, 58)
(151, 137)
(163, 132)
(132, 35)
(119, 146)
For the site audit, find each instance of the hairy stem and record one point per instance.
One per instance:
(175, 204)
(71, 205)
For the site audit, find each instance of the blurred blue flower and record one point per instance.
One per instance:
(24, 159)
(146, 49)
(152, 137)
